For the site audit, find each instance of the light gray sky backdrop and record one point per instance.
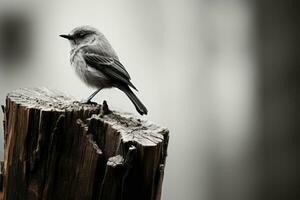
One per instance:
(192, 62)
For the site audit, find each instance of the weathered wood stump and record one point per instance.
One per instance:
(56, 148)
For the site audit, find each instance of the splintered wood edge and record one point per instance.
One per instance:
(115, 161)
(90, 139)
(133, 129)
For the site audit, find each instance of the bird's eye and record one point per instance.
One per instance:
(81, 35)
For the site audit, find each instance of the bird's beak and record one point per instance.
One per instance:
(69, 37)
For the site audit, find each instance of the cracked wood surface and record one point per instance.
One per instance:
(57, 148)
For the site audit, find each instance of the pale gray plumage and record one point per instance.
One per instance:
(98, 65)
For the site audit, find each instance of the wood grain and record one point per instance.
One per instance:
(57, 148)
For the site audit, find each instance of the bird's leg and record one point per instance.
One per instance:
(88, 101)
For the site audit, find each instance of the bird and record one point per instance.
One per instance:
(98, 65)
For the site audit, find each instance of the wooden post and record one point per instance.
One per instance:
(56, 148)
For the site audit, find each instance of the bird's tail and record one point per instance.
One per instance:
(137, 103)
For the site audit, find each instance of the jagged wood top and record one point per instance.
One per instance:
(46, 99)
(128, 125)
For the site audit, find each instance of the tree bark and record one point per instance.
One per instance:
(56, 148)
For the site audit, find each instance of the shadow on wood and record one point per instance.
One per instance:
(56, 148)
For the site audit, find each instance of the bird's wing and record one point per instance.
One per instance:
(95, 49)
(109, 66)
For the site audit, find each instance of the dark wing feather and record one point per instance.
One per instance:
(117, 62)
(109, 66)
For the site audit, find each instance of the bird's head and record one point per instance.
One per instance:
(82, 35)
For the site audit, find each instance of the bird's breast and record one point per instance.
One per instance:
(79, 65)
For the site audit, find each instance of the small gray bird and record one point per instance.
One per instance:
(98, 65)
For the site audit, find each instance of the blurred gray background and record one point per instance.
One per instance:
(223, 76)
